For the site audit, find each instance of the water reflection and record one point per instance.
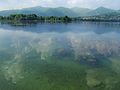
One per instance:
(97, 27)
(51, 59)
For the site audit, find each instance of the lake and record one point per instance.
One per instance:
(60, 56)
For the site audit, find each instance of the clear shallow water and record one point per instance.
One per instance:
(70, 56)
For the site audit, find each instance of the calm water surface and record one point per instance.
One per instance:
(74, 56)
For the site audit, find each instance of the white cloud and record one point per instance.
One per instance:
(72, 2)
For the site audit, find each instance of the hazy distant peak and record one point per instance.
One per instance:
(60, 11)
(103, 8)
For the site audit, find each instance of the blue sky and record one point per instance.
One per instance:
(13, 4)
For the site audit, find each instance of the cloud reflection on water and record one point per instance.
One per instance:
(83, 46)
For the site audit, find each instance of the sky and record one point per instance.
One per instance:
(92, 4)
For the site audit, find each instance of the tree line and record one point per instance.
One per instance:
(34, 17)
(22, 17)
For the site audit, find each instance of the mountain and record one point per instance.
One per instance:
(8, 12)
(100, 11)
(45, 11)
(42, 11)
(81, 11)
(59, 11)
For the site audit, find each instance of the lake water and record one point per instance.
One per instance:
(57, 56)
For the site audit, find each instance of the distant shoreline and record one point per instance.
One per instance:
(32, 19)
(58, 21)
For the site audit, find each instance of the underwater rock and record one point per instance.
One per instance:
(92, 82)
(91, 79)
(12, 70)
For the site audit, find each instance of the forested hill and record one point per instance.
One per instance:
(60, 11)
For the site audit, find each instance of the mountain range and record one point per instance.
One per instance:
(60, 11)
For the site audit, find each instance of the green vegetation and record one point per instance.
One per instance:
(29, 17)
(34, 17)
